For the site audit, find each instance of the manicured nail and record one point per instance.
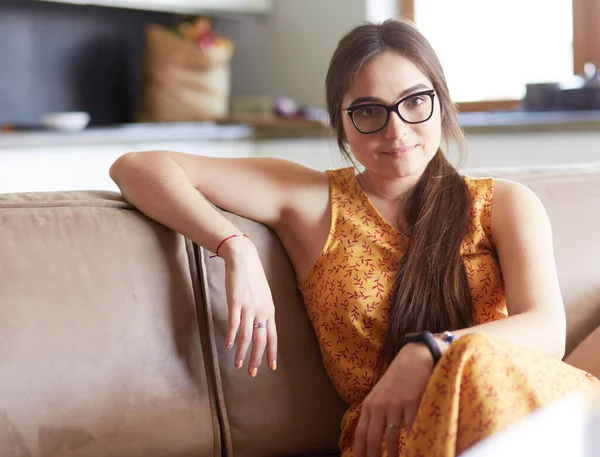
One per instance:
(274, 365)
(253, 372)
(239, 364)
(229, 345)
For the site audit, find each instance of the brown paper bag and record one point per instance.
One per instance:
(183, 82)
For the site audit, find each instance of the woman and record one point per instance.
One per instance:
(406, 245)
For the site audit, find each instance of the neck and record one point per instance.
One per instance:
(388, 188)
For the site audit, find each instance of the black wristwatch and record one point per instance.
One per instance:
(427, 338)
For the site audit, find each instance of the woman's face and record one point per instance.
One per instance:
(400, 149)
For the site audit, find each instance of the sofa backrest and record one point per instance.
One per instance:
(571, 196)
(99, 335)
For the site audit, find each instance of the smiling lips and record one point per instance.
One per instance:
(399, 152)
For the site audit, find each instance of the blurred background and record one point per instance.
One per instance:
(84, 81)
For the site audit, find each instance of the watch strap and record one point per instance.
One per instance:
(428, 339)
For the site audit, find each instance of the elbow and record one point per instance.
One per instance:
(558, 333)
(124, 166)
(130, 166)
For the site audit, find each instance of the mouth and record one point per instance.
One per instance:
(399, 152)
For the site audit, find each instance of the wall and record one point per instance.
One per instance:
(288, 52)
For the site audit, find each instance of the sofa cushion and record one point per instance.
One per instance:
(571, 196)
(99, 347)
(585, 355)
(294, 410)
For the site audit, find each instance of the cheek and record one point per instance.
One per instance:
(356, 140)
(431, 132)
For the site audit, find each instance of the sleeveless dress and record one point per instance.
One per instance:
(348, 293)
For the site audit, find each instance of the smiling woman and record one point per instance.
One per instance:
(434, 296)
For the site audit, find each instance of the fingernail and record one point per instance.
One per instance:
(229, 345)
(253, 372)
(239, 364)
(274, 365)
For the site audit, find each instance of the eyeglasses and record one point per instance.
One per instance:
(374, 117)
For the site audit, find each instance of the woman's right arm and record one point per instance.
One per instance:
(172, 188)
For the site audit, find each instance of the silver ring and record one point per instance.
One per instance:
(393, 426)
(259, 325)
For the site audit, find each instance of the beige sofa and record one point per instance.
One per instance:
(112, 331)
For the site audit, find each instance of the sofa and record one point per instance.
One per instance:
(112, 330)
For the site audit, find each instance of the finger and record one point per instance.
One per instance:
(233, 324)
(392, 434)
(360, 434)
(375, 434)
(259, 341)
(410, 412)
(272, 343)
(244, 338)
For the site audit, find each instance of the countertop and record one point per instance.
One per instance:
(530, 121)
(473, 123)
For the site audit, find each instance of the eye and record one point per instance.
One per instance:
(368, 111)
(414, 102)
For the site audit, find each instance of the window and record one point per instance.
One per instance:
(491, 49)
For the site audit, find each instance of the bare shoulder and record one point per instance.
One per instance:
(516, 210)
(514, 198)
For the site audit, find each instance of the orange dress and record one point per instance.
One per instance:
(348, 293)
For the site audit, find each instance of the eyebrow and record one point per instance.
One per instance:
(401, 95)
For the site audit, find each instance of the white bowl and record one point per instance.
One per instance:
(68, 121)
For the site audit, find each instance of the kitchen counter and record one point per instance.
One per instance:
(472, 123)
(530, 121)
(126, 133)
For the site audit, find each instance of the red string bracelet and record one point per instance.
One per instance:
(237, 235)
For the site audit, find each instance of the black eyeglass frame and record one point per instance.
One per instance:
(389, 108)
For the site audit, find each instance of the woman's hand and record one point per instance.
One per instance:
(393, 402)
(251, 309)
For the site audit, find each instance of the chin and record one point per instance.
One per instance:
(403, 169)
(405, 172)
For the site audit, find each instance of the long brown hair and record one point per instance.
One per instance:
(432, 290)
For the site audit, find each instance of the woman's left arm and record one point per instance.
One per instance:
(523, 238)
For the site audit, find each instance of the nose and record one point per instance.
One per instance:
(396, 127)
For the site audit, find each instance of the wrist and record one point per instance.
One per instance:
(436, 344)
(422, 353)
(427, 340)
(235, 248)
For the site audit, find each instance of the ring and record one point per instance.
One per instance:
(259, 325)
(393, 426)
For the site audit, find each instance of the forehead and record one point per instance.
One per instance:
(385, 77)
